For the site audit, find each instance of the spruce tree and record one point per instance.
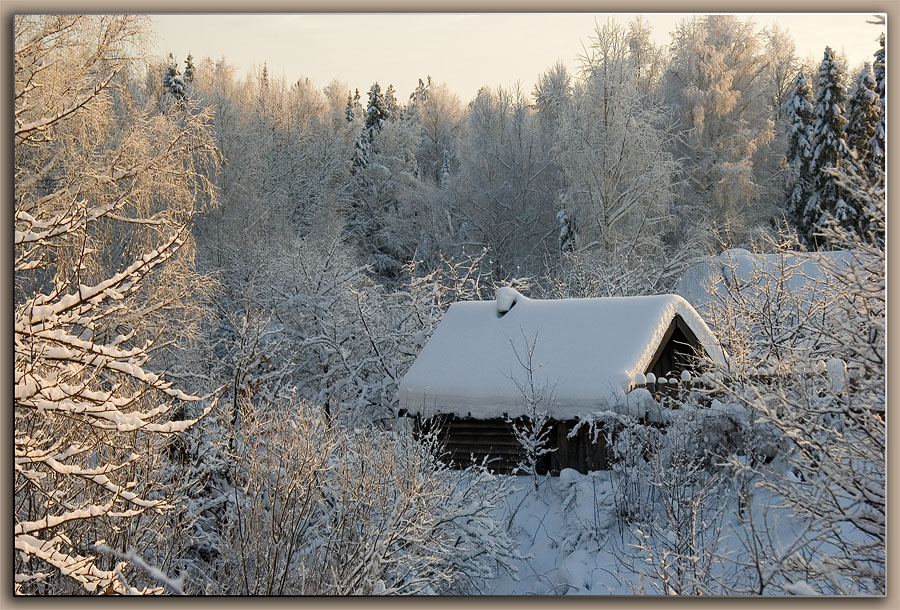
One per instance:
(863, 114)
(349, 113)
(799, 112)
(879, 68)
(876, 143)
(830, 152)
(189, 69)
(173, 85)
(376, 111)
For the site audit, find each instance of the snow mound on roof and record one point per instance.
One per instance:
(586, 351)
(507, 297)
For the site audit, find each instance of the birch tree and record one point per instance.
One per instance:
(613, 155)
(716, 84)
(92, 315)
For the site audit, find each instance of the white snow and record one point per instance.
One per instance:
(506, 297)
(803, 274)
(587, 351)
(837, 374)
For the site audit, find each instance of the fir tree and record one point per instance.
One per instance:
(830, 153)
(349, 113)
(863, 117)
(173, 85)
(376, 111)
(876, 144)
(863, 114)
(189, 69)
(799, 112)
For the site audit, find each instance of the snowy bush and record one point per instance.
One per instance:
(532, 430)
(827, 404)
(323, 509)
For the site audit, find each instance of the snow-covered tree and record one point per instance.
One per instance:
(830, 152)
(533, 428)
(821, 351)
(377, 109)
(799, 112)
(505, 188)
(646, 59)
(877, 144)
(350, 113)
(863, 114)
(173, 84)
(715, 83)
(613, 153)
(189, 69)
(779, 52)
(438, 112)
(552, 94)
(390, 102)
(102, 270)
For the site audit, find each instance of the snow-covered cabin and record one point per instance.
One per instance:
(587, 353)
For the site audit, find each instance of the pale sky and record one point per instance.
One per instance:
(465, 51)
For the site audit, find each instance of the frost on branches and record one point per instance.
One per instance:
(823, 393)
(92, 232)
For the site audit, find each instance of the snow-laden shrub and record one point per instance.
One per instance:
(827, 406)
(324, 509)
(669, 491)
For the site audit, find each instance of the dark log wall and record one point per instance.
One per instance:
(468, 440)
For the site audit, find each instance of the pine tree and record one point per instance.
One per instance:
(799, 112)
(417, 100)
(420, 95)
(830, 153)
(863, 114)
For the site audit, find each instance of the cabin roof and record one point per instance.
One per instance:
(586, 351)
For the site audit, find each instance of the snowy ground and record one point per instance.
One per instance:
(573, 543)
(568, 532)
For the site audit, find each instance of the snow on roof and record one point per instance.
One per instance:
(587, 351)
(804, 274)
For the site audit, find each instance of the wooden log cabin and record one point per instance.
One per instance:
(488, 362)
